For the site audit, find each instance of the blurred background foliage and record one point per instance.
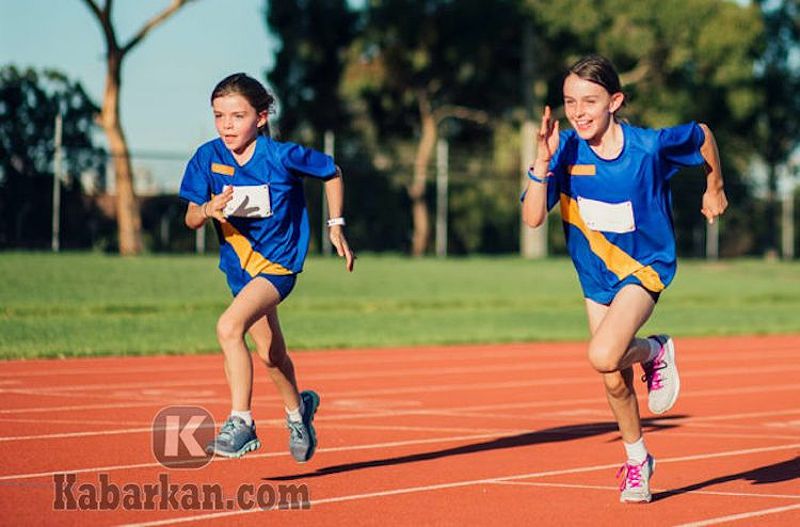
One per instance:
(387, 79)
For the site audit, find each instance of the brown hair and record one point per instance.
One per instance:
(599, 70)
(249, 88)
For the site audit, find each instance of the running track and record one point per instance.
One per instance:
(473, 435)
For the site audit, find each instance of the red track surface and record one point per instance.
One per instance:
(477, 435)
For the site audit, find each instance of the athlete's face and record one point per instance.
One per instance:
(237, 121)
(589, 107)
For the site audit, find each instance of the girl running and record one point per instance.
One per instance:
(251, 187)
(611, 181)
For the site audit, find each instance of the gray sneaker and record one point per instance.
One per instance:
(661, 376)
(235, 439)
(302, 436)
(635, 484)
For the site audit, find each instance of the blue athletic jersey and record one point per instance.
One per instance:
(617, 213)
(278, 243)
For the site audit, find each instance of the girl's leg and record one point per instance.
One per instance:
(613, 350)
(271, 347)
(253, 301)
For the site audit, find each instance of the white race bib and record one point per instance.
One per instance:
(249, 202)
(607, 217)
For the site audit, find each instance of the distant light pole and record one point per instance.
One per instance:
(57, 177)
(325, 242)
(442, 177)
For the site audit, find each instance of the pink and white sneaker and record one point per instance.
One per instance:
(635, 485)
(661, 376)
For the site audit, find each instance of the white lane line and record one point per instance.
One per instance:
(454, 352)
(80, 407)
(110, 371)
(65, 435)
(73, 422)
(615, 488)
(426, 488)
(400, 373)
(583, 379)
(741, 516)
(218, 459)
(453, 412)
(392, 444)
(747, 415)
(278, 423)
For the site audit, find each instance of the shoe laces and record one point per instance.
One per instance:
(296, 429)
(631, 475)
(228, 429)
(652, 371)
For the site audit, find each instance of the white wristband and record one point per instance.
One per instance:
(336, 221)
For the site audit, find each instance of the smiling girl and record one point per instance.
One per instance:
(611, 180)
(251, 187)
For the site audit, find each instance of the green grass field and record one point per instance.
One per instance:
(92, 304)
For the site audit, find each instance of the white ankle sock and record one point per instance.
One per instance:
(655, 347)
(636, 451)
(296, 415)
(246, 416)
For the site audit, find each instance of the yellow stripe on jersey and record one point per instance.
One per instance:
(252, 262)
(225, 170)
(618, 261)
(581, 170)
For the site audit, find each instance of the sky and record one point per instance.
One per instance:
(167, 78)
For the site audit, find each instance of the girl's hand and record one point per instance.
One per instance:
(714, 204)
(338, 240)
(214, 207)
(547, 139)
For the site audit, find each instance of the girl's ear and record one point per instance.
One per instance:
(617, 100)
(263, 118)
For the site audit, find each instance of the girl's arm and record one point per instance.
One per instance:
(534, 205)
(334, 193)
(714, 200)
(196, 215)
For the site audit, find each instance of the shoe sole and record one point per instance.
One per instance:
(637, 502)
(312, 432)
(670, 356)
(255, 444)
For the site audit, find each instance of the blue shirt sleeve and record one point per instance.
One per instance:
(307, 161)
(680, 145)
(195, 186)
(554, 184)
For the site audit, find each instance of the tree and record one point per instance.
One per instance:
(419, 63)
(129, 221)
(779, 80)
(29, 103)
(674, 67)
(314, 36)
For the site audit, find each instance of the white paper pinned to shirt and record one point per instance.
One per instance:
(249, 202)
(607, 217)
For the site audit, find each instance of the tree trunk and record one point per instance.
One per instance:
(129, 220)
(771, 249)
(417, 189)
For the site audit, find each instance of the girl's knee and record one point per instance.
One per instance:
(602, 358)
(228, 330)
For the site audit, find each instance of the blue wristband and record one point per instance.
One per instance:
(533, 177)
